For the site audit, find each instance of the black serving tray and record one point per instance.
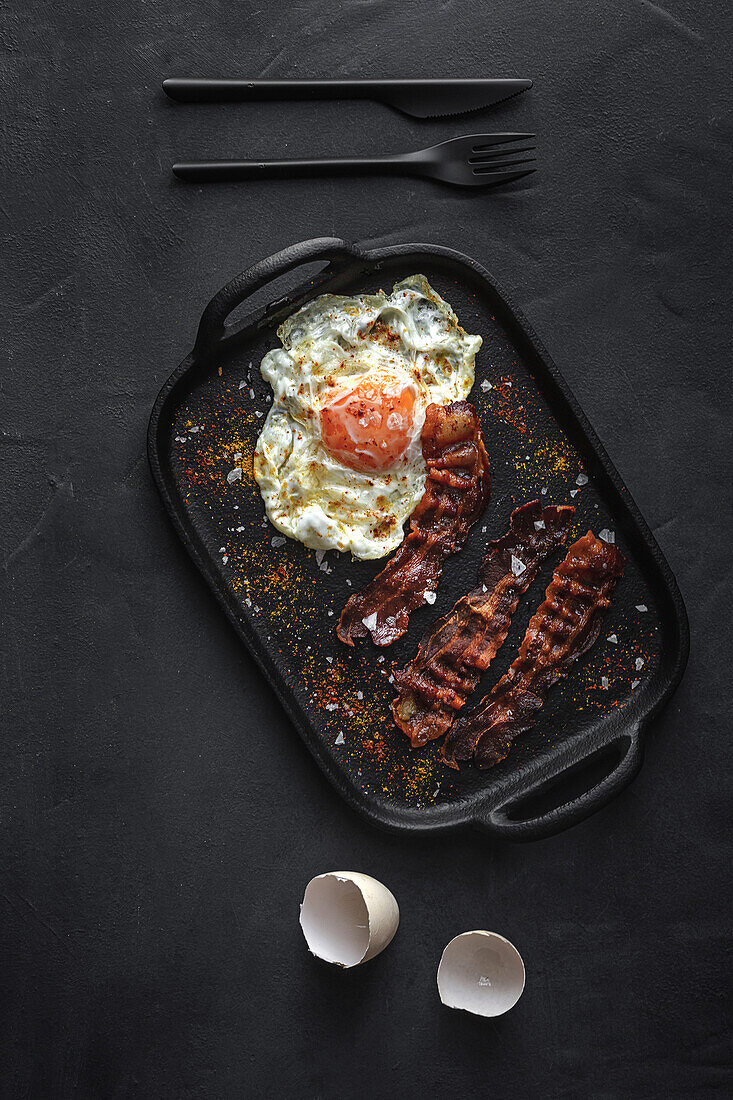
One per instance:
(284, 603)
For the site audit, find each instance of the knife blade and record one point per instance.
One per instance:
(419, 98)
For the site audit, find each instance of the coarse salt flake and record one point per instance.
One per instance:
(429, 597)
(539, 525)
(641, 607)
(574, 492)
(234, 475)
(635, 684)
(340, 739)
(581, 479)
(486, 385)
(639, 664)
(518, 567)
(278, 542)
(604, 683)
(612, 638)
(607, 536)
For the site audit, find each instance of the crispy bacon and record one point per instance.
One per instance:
(456, 492)
(460, 646)
(563, 628)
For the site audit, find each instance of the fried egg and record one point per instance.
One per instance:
(339, 461)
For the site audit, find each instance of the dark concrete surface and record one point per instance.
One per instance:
(158, 816)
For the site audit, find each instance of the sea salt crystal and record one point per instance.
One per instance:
(604, 683)
(320, 554)
(234, 475)
(258, 413)
(544, 492)
(348, 582)
(641, 607)
(340, 739)
(612, 638)
(332, 706)
(539, 525)
(278, 542)
(429, 597)
(607, 536)
(240, 529)
(225, 559)
(371, 621)
(581, 479)
(222, 549)
(639, 664)
(194, 429)
(486, 386)
(635, 684)
(252, 394)
(360, 695)
(574, 492)
(238, 456)
(242, 384)
(517, 566)
(484, 530)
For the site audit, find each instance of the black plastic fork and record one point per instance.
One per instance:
(478, 160)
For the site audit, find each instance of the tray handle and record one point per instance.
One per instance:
(503, 820)
(212, 328)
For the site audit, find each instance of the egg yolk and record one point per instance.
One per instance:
(368, 426)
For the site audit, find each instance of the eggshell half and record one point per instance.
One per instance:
(347, 917)
(481, 972)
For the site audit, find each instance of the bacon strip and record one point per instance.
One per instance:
(460, 646)
(456, 492)
(563, 628)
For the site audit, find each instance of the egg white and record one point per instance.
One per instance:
(412, 335)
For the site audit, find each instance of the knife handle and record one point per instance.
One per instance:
(204, 90)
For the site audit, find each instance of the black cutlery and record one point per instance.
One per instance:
(481, 160)
(421, 98)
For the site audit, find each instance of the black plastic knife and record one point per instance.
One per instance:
(420, 98)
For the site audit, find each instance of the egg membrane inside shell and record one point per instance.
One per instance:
(339, 460)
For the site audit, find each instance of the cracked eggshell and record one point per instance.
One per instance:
(482, 973)
(347, 917)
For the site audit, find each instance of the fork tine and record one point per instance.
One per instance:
(482, 142)
(486, 169)
(496, 178)
(482, 158)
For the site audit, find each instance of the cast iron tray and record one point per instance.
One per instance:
(284, 602)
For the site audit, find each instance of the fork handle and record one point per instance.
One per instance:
(232, 171)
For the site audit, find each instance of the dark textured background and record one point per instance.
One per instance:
(159, 816)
